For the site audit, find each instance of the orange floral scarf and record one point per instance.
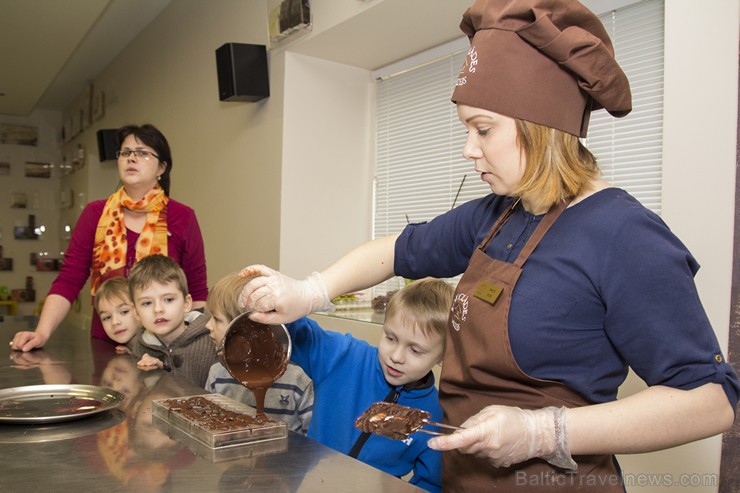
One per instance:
(109, 250)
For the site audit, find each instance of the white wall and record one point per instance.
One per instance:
(226, 155)
(327, 154)
(699, 150)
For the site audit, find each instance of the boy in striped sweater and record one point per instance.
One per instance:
(289, 398)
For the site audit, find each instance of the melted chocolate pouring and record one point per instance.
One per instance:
(254, 357)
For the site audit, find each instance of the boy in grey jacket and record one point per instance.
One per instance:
(174, 337)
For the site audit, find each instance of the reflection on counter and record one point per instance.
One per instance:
(121, 451)
(136, 453)
(52, 371)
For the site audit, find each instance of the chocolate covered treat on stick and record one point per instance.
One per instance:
(395, 421)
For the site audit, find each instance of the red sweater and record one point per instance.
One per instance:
(185, 245)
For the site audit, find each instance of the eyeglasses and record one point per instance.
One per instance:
(140, 153)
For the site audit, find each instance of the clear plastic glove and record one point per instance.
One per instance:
(277, 298)
(505, 435)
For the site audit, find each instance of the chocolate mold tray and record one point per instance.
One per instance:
(242, 450)
(199, 430)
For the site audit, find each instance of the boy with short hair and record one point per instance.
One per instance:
(289, 398)
(350, 375)
(116, 311)
(174, 338)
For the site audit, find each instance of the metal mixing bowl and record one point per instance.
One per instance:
(232, 348)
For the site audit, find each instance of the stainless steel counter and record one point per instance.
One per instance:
(121, 451)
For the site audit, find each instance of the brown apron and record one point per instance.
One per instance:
(479, 370)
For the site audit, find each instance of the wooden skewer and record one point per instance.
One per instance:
(440, 425)
(429, 432)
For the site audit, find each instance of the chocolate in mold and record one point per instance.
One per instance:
(391, 420)
(210, 415)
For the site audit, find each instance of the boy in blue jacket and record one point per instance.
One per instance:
(349, 375)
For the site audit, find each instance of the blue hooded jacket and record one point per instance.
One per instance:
(347, 379)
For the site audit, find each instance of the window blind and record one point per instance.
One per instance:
(419, 139)
(630, 149)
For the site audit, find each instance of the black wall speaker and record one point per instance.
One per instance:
(242, 72)
(107, 144)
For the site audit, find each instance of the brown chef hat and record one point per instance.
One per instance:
(544, 61)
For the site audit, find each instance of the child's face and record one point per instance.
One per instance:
(217, 325)
(161, 307)
(405, 353)
(122, 375)
(119, 319)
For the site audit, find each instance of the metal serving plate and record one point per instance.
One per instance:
(55, 403)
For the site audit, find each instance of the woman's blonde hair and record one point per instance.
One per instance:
(558, 166)
(424, 304)
(223, 297)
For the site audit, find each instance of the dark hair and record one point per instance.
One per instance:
(151, 136)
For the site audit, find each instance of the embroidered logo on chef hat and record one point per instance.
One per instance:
(546, 62)
(469, 67)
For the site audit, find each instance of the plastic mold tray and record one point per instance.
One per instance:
(238, 441)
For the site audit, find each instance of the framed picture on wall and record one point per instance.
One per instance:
(98, 105)
(74, 125)
(18, 200)
(84, 117)
(38, 170)
(67, 130)
(25, 135)
(86, 108)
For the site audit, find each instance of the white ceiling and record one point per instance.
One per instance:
(51, 49)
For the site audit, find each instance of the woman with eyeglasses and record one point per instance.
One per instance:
(137, 220)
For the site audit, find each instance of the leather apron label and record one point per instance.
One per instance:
(488, 292)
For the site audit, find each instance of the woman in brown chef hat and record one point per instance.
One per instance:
(567, 280)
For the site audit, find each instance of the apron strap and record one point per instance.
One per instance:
(540, 231)
(499, 224)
